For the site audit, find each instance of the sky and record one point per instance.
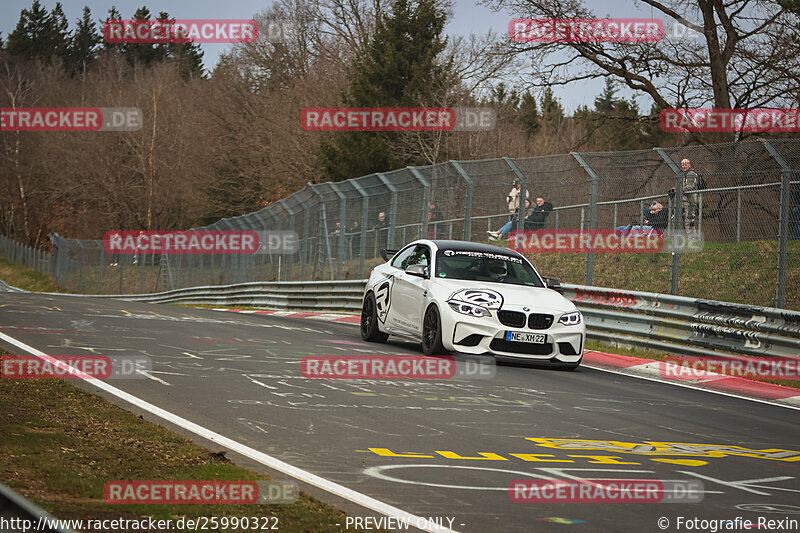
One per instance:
(469, 17)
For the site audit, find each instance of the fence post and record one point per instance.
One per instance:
(467, 202)
(738, 215)
(324, 226)
(340, 254)
(677, 219)
(57, 259)
(523, 192)
(102, 266)
(289, 257)
(392, 213)
(593, 192)
(362, 241)
(783, 224)
(426, 198)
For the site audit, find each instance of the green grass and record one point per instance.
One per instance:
(59, 445)
(25, 278)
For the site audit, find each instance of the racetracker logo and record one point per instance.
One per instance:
(180, 31)
(397, 119)
(203, 492)
(181, 242)
(392, 367)
(696, 368)
(586, 30)
(88, 367)
(70, 119)
(604, 241)
(730, 120)
(605, 491)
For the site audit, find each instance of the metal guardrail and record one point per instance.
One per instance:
(18, 514)
(663, 322)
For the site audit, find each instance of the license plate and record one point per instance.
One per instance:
(521, 336)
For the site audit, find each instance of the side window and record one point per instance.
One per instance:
(421, 256)
(401, 259)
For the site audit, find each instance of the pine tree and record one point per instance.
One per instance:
(83, 47)
(39, 35)
(606, 102)
(529, 113)
(552, 112)
(398, 69)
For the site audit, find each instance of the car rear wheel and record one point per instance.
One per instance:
(369, 321)
(432, 332)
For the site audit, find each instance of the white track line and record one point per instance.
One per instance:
(268, 460)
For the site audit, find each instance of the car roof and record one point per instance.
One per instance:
(474, 247)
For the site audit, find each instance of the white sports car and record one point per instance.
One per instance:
(471, 298)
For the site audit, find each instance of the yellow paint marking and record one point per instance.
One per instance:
(683, 462)
(124, 311)
(604, 460)
(57, 308)
(532, 457)
(386, 452)
(485, 456)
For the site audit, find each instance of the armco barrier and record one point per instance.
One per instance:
(664, 322)
(21, 515)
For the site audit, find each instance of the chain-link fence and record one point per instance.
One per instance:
(748, 214)
(26, 255)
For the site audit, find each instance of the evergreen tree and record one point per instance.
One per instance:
(113, 14)
(606, 102)
(188, 55)
(529, 113)
(39, 35)
(399, 68)
(84, 43)
(552, 111)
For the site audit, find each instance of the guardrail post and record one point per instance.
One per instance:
(426, 199)
(289, 257)
(783, 224)
(392, 213)
(592, 212)
(615, 216)
(523, 192)
(342, 227)
(467, 202)
(362, 241)
(677, 219)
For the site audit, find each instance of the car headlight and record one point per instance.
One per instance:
(570, 319)
(468, 309)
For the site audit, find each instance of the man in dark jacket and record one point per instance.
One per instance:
(538, 218)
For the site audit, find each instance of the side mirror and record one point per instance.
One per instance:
(554, 284)
(420, 271)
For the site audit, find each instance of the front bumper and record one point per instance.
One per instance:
(472, 335)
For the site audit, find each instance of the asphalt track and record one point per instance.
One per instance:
(445, 449)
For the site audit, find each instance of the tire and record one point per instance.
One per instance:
(432, 332)
(369, 321)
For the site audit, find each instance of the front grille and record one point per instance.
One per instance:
(512, 319)
(539, 321)
(527, 348)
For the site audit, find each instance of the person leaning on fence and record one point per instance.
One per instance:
(513, 198)
(355, 238)
(539, 216)
(503, 232)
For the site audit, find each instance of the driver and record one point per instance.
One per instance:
(497, 269)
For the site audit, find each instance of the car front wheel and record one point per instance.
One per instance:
(432, 332)
(369, 321)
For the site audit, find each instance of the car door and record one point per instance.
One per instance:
(408, 291)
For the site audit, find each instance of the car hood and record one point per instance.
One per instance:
(514, 296)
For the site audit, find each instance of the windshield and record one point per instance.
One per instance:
(485, 266)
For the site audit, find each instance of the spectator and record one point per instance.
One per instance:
(434, 216)
(382, 230)
(336, 234)
(503, 232)
(539, 216)
(656, 217)
(690, 203)
(513, 198)
(355, 239)
(795, 201)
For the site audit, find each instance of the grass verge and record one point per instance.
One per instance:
(59, 445)
(18, 276)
